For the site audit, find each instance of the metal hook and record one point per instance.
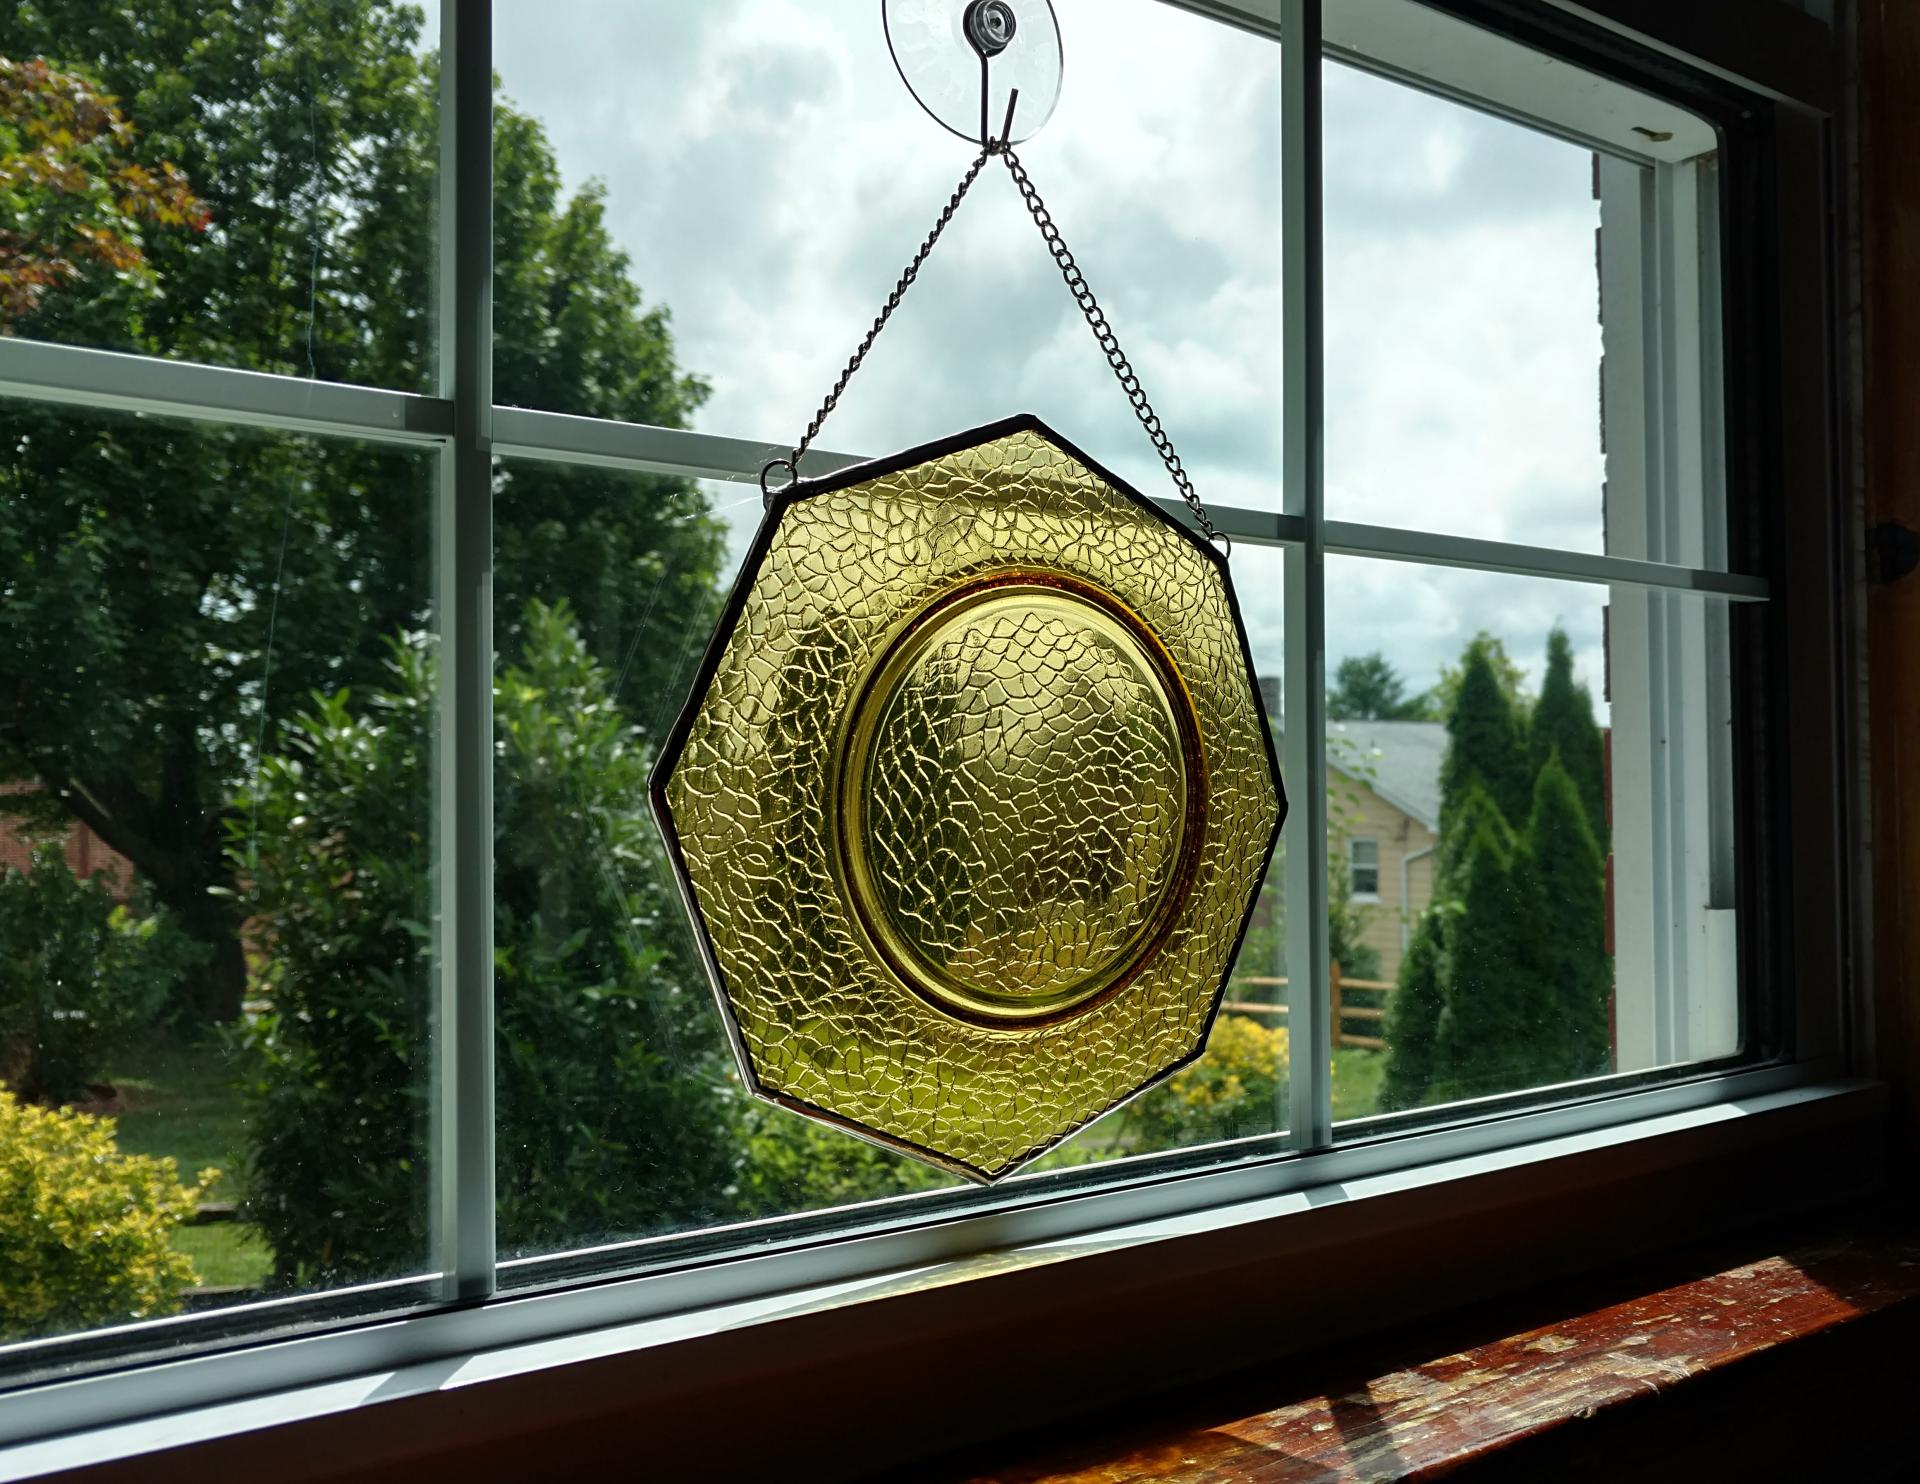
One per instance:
(1006, 129)
(989, 26)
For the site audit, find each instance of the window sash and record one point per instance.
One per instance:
(461, 421)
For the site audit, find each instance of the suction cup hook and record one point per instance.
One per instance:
(986, 70)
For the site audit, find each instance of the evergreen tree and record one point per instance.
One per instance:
(1563, 723)
(1445, 694)
(1413, 1017)
(1567, 883)
(1474, 813)
(1495, 1014)
(1486, 745)
(144, 563)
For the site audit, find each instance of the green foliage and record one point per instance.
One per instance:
(1486, 744)
(78, 972)
(1563, 723)
(85, 1231)
(1569, 926)
(1507, 984)
(1496, 1016)
(1366, 687)
(615, 1107)
(615, 1112)
(1412, 1025)
(135, 611)
(72, 204)
(1231, 1092)
(794, 1164)
(334, 860)
(1445, 694)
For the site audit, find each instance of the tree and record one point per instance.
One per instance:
(79, 973)
(1563, 724)
(73, 205)
(1496, 1015)
(1566, 878)
(1486, 746)
(1513, 680)
(615, 1114)
(1412, 1022)
(136, 611)
(1366, 687)
(1507, 983)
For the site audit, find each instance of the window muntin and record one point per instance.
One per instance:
(1248, 527)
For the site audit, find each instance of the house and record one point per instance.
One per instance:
(1383, 811)
(1383, 807)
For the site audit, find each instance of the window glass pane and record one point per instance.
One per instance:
(1551, 801)
(622, 1114)
(770, 182)
(1498, 303)
(248, 185)
(215, 901)
(1364, 865)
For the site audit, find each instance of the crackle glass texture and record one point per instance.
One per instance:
(974, 802)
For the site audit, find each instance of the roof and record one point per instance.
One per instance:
(1399, 760)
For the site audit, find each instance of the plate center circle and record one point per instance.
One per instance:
(1021, 799)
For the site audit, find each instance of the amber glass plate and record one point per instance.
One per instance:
(972, 798)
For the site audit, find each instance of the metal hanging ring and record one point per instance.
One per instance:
(767, 492)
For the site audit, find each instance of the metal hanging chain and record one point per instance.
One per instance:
(1109, 343)
(1077, 285)
(792, 463)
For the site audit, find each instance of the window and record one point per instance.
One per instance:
(1363, 863)
(345, 649)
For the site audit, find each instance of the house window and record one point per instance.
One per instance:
(1363, 867)
(361, 541)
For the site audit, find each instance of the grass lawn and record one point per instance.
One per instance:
(1357, 1073)
(183, 1099)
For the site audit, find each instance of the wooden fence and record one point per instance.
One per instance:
(1342, 1009)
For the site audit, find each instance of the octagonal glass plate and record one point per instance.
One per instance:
(972, 798)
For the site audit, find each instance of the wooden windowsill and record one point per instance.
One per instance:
(1786, 1355)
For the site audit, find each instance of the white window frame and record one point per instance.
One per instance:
(1263, 1194)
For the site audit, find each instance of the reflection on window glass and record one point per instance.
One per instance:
(214, 873)
(769, 184)
(1548, 799)
(247, 186)
(621, 1111)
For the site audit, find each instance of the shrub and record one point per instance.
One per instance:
(1232, 1092)
(77, 973)
(332, 844)
(794, 1164)
(615, 1114)
(85, 1231)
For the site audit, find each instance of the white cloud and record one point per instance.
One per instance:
(770, 176)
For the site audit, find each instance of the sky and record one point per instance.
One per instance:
(769, 176)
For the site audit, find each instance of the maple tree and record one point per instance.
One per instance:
(72, 199)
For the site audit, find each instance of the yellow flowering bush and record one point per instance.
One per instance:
(1229, 1093)
(86, 1232)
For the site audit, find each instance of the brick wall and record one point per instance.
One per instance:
(86, 853)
